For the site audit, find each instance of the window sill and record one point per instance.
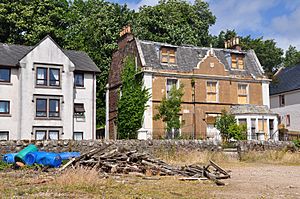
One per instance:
(79, 87)
(48, 87)
(6, 83)
(5, 115)
(46, 118)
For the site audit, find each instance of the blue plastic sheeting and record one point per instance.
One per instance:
(9, 158)
(52, 160)
(69, 155)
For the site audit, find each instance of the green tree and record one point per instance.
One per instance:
(223, 123)
(175, 22)
(132, 102)
(27, 22)
(292, 56)
(94, 28)
(169, 109)
(237, 132)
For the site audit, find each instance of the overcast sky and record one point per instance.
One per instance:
(272, 19)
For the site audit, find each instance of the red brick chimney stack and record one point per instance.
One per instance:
(125, 36)
(233, 43)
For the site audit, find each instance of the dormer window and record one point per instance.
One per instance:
(237, 61)
(168, 55)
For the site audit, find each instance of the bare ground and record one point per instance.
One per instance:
(248, 180)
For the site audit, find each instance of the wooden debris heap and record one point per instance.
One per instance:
(112, 159)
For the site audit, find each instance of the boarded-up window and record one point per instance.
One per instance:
(168, 55)
(242, 94)
(237, 61)
(212, 91)
(262, 126)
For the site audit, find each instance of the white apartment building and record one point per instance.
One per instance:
(46, 93)
(285, 98)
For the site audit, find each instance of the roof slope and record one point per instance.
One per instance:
(286, 80)
(187, 58)
(11, 54)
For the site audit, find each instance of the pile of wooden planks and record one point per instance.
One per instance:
(113, 159)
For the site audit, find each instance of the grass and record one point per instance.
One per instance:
(86, 183)
(272, 157)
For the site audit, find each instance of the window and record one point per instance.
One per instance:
(53, 108)
(168, 55)
(48, 76)
(237, 61)
(288, 120)
(253, 129)
(47, 134)
(41, 107)
(40, 134)
(78, 136)
(53, 134)
(170, 84)
(54, 77)
(242, 94)
(4, 107)
(79, 79)
(4, 135)
(79, 109)
(47, 107)
(41, 78)
(281, 100)
(262, 125)
(211, 91)
(4, 74)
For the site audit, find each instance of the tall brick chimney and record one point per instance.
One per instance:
(125, 36)
(233, 43)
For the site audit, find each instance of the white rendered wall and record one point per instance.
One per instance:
(147, 127)
(10, 92)
(46, 52)
(291, 108)
(265, 94)
(86, 96)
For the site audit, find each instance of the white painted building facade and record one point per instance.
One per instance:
(50, 93)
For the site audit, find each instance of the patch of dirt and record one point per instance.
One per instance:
(262, 181)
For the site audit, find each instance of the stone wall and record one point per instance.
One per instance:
(142, 145)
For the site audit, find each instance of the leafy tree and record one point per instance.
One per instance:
(237, 132)
(175, 22)
(292, 56)
(169, 109)
(223, 123)
(27, 22)
(132, 102)
(94, 28)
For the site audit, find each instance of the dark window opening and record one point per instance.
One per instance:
(41, 108)
(53, 108)
(79, 79)
(79, 109)
(4, 135)
(4, 107)
(41, 77)
(281, 100)
(5, 74)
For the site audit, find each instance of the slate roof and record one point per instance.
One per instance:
(11, 54)
(187, 58)
(250, 109)
(286, 80)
